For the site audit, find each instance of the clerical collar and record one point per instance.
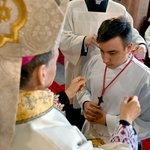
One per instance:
(97, 2)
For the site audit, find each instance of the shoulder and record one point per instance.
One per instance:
(76, 3)
(95, 59)
(113, 3)
(141, 68)
(147, 32)
(94, 62)
(116, 6)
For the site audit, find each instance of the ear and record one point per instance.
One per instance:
(42, 75)
(129, 47)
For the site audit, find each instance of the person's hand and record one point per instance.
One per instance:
(90, 109)
(139, 52)
(91, 40)
(76, 85)
(94, 114)
(130, 109)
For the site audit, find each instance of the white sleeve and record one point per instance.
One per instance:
(147, 35)
(85, 93)
(70, 44)
(147, 38)
(125, 134)
(136, 37)
(111, 122)
(142, 123)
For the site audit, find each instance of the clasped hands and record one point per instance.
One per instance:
(94, 114)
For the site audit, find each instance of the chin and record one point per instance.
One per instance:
(110, 66)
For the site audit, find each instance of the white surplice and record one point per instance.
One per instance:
(147, 38)
(134, 80)
(52, 131)
(41, 126)
(79, 23)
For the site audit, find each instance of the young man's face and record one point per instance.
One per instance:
(113, 52)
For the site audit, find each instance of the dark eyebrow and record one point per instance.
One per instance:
(112, 51)
(108, 51)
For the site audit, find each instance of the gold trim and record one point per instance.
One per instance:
(4, 12)
(33, 104)
(97, 142)
(17, 25)
(34, 117)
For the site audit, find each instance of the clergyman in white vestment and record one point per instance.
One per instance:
(108, 83)
(82, 21)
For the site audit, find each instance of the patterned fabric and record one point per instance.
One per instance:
(32, 104)
(34, 28)
(57, 104)
(125, 134)
(28, 27)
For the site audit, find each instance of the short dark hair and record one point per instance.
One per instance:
(114, 27)
(38, 60)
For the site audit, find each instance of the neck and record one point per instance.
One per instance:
(128, 58)
(31, 87)
(28, 88)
